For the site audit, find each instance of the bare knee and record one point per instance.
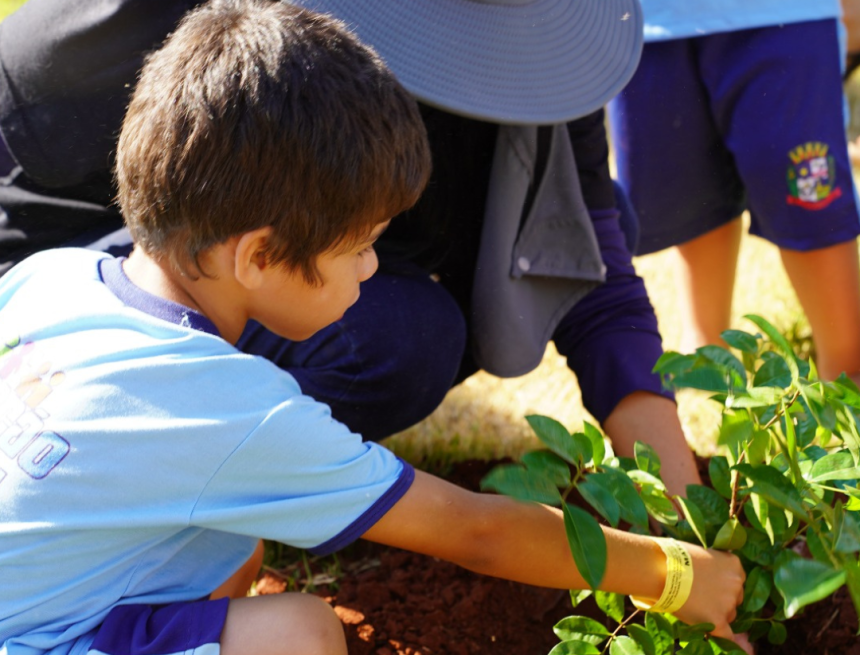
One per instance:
(282, 624)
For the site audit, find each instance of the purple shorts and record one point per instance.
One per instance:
(713, 125)
(192, 628)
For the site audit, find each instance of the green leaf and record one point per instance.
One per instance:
(774, 486)
(847, 391)
(597, 492)
(695, 518)
(574, 647)
(758, 549)
(743, 341)
(646, 481)
(777, 633)
(660, 508)
(758, 513)
(813, 396)
(835, 466)
(624, 491)
(642, 637)
(515, 481)
(774, 372)
(816, 547)
(579, 595)
(598, 444)
(556, 437)
(735, 428)
(587, 544)
(697, 631)
(846, 529)
(757, 589)
(779, 341)
(610, 604)
(581, 628)
(852, 576)
(721, 477)
(625, 646)
(705, 379)
(724, 646)
(804, 581)
(661, 632)
(672, 363)
(756, 397)
(790, 443)
(757, 630)
(646, 458)
(548, 465)
(725, 359)
(851, 435)
(715, 509)
(698, 647)
(758, 447)
(732, 536)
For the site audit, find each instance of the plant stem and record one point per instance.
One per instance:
(734, 508)
(620, 625)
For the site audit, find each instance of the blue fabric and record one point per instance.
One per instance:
(741, 120)
(610, 338)
(388, 363)
(141, 460)
(180, 628)
(673, 19)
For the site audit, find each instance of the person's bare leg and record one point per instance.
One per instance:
(653, 419)
(239, 584)
(282, 624)
(827, 283)
(706, 280)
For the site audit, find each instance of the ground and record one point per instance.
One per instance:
(392, 602)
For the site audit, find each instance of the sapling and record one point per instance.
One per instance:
(783, 495)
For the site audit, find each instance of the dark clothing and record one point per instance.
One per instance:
(69, 66)
(67, 72)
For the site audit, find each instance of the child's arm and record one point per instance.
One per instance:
(653, 419)
(526, 542)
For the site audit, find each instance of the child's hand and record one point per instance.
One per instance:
(718, 589)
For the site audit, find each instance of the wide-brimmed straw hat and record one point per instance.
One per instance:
(506, 61)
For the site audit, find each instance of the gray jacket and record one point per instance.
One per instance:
(528, 277)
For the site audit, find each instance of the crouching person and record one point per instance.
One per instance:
(143, 457)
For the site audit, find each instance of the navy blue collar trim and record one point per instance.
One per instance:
(133, 296)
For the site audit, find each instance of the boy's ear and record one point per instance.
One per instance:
(249, 257)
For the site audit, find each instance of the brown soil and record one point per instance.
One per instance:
(392, 602)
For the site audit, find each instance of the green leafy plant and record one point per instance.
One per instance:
(783, 497)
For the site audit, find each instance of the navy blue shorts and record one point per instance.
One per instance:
(713, 125)
(180, 628)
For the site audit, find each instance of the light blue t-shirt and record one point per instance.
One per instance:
(675, 19)
(142, 456)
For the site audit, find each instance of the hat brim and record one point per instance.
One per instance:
(538, 62)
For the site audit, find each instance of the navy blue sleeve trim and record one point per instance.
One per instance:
(376, 511)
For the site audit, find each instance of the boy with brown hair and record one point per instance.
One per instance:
(143, 457)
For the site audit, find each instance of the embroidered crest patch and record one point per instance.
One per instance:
(811, 176)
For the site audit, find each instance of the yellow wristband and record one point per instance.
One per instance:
(679, 579)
